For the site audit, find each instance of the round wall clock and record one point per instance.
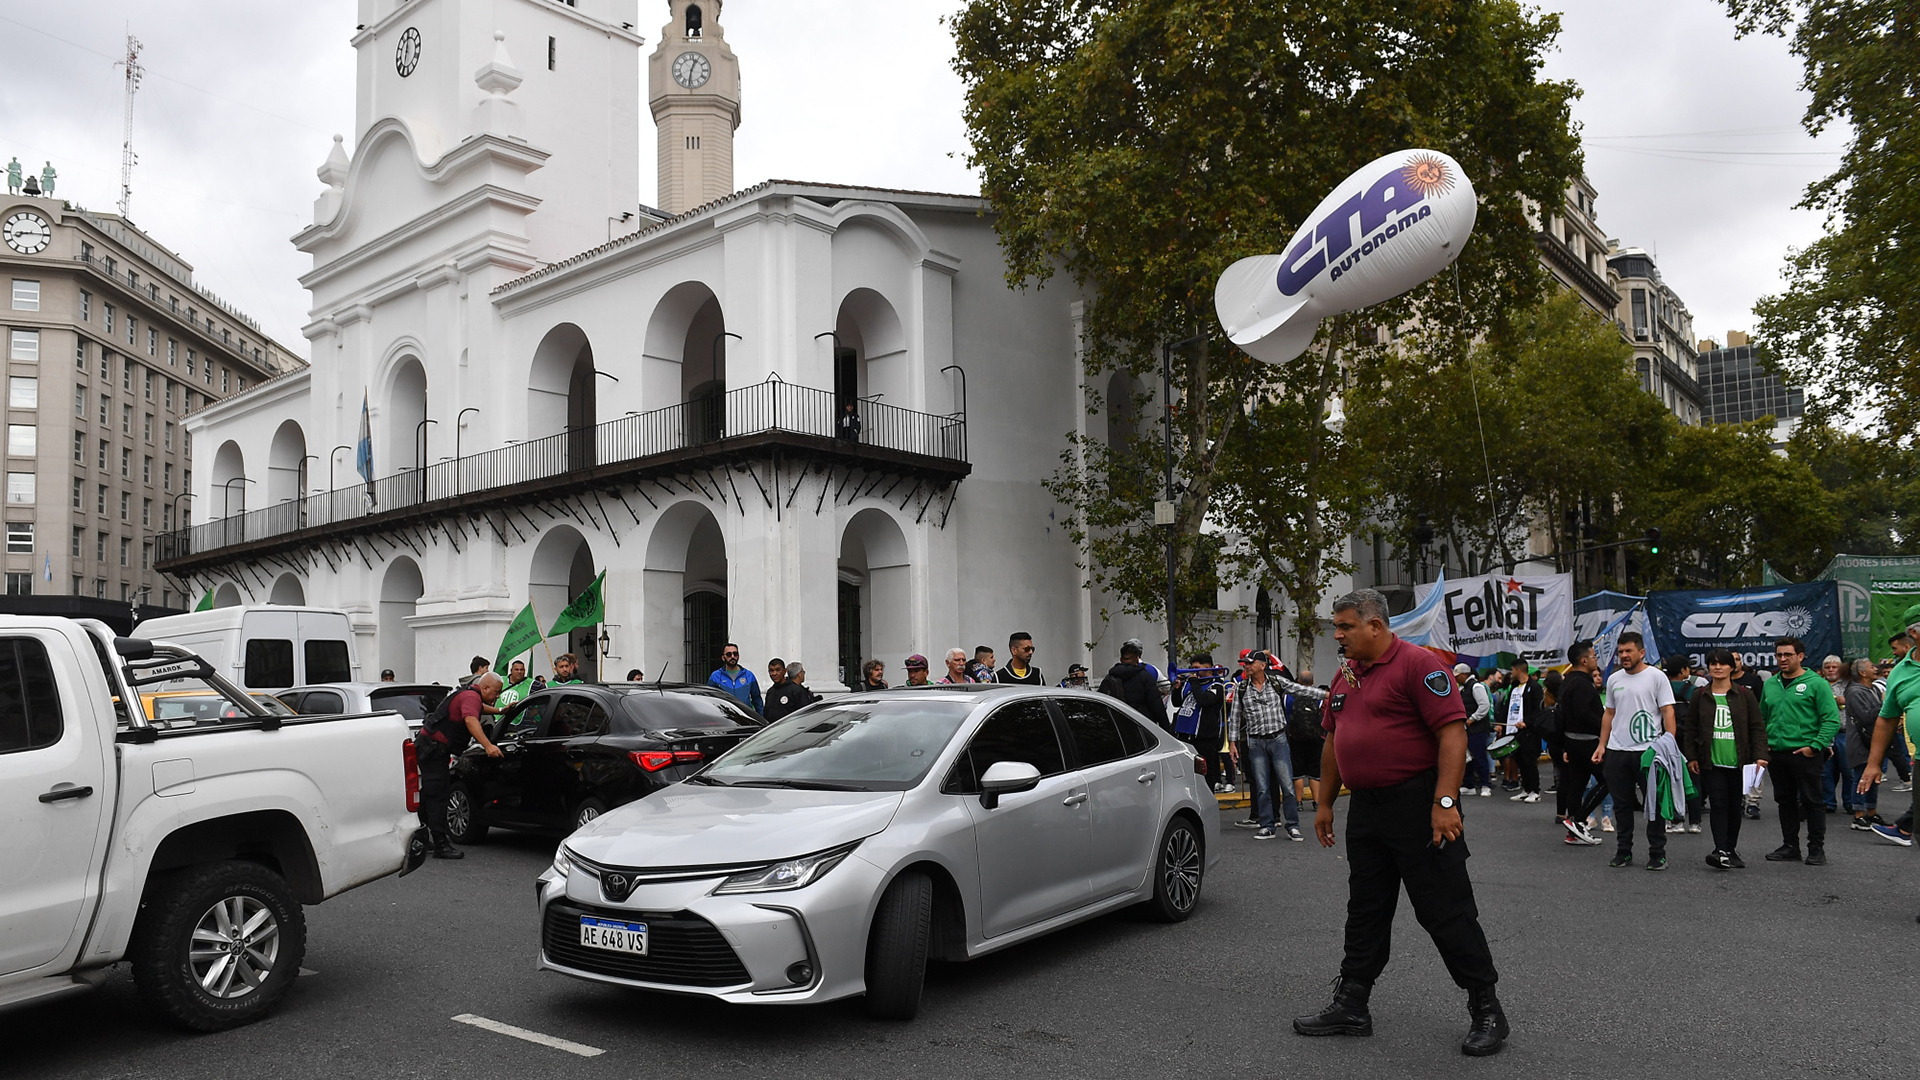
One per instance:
(691, 70)
(27, 233)
(407, 56)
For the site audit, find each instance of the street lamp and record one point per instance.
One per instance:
(333, 459)
(1166, 511)
(226, 501)
(456, 445)
(420, 437)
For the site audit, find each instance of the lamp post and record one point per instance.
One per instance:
(226, 503)
(333, 458)
(1167, 509)
(456, 445)
(420, 437)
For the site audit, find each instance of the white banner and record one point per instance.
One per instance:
(1531, 617)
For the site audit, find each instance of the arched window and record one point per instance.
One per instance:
(693, 20)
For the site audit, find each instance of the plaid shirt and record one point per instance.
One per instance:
(1257, 711)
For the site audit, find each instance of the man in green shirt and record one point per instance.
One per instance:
(1802, 720)
(518, 686)
(1902, 700)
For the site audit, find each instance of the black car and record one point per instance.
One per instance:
(571, 753)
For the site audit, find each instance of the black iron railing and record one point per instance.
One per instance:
(767, 408)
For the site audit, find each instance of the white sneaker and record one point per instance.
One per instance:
(1534, 796)
(1693, 828)
(1466, 791)
(1485, 792)
(1518, 796)
(1904, 785)
(1606, 824)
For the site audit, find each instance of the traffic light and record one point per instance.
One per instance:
(1653, 541)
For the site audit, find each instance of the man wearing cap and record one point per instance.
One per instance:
(1902, 701)
(1259, 716)
(917, 670)
(1397, 736)
(1076, 677)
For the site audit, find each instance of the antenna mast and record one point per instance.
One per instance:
(134, 71)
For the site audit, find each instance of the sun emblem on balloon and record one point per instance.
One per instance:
(1427, 174)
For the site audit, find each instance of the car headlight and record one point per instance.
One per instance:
(786, 874)
(562, 862)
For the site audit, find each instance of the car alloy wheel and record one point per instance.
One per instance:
(459, 811)
(1180, 864)
(235, 944)
(588, 809)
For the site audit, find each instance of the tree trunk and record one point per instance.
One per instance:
(1307, 589)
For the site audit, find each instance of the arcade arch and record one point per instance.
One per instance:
(870, 354)
(562, 392)
(686, 591)
(400, 591)
(287, 464)
(229, 473)
(562, 568)
(876, 595)
(227, 595)
(287, 592)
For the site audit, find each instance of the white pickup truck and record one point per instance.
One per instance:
(186, 849)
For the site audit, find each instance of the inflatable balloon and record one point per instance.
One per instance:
(1390, 226)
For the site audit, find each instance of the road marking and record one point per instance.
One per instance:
(570, 1047)
(308, 971)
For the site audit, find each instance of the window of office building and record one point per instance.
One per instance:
(79, 448)
(166, 393)
(146, 469)
(126, 419)
(23, 440)
(79, 583)
(126, 506)
(173, 352)
(126, 550)
(20, 488)
(100, 501)
(19, 584)
(23, 392)
(126, 375)
(106, 366)
(24, 346)
(107, 317)
(126, 463)
(86, 306)
(79, 538)
(103, 453)
(153, 343)
(79, 492)
(190, 359)
(146, 554)
(80, 402)
(133, 338)
(169, 433)
(19, 537)
(146, 514)
(225, 375)
(80, 355)
(26, 295)
(106, 410)
(148, 376)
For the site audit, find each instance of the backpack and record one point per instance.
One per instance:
(440, 728)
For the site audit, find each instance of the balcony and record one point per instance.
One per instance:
(694, 445)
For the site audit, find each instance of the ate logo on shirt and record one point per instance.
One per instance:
(1643, 727)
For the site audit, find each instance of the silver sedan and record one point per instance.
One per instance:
(833, 853)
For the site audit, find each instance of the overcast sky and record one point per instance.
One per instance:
(1693, 138)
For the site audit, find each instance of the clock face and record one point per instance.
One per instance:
(691, 70)
(28, 233)
(407, 56)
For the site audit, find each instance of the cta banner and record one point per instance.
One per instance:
(1531, 617)
(1891, 599)
(1747, 621)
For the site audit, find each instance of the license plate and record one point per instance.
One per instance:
(613, 936)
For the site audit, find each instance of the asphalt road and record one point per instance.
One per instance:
(1779, 970)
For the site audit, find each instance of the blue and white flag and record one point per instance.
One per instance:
(1607, 641)
(363, 450)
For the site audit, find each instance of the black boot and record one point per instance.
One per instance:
(443, 849)
(1346, 1015)
(1489, 1027)
(1785, 853)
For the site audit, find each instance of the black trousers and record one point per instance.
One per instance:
(1624, 779)
(436, 776)
(1527, 750)
(1574, 775)
(1389, 844)
(1796, 788)
(1725, 794)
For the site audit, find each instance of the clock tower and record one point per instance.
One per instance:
(693, 85)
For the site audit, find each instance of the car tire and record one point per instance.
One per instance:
(586, 811)
(201, 989)
(1178, 871)
(897, 948)
(463, 816)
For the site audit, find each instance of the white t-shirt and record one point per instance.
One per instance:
(1636, 701)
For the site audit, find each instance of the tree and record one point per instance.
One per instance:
(1143, 145)
(1847, 322)
(1512, 434)
(1872, 485)
(1725, 502)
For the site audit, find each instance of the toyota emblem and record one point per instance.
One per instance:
(615, 886)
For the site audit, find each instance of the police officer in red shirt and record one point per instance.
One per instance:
(1397, 737)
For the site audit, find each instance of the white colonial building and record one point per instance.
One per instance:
(560, 381)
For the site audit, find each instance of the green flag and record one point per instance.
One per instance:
(206, 602)
(522, 634)
(1888, 604)
(587, 609)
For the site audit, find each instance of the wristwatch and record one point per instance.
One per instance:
(1446, 802)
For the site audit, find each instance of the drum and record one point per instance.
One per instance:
(1503, 747)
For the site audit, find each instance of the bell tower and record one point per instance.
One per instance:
(693, 86)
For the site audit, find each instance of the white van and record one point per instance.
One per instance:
(267, 647)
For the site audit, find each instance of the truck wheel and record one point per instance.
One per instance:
(463, 818)
(1177, 873)
(215, 946)
(897, 948)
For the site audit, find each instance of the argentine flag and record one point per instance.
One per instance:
(363, 450)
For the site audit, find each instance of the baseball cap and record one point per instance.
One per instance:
(1245, 655)
(916, 662)
(1462, 669)
(1076, 669)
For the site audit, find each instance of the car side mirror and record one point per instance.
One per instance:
(1006, 778)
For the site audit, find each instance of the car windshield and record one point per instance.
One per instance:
(657, 710)
(185, 710)
(413, 703)
(850, 746)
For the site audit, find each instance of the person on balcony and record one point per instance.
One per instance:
(849, 425)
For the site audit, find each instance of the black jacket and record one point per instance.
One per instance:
(1135, 685)
(1749, 729)
(788, 697)
(1579, 706)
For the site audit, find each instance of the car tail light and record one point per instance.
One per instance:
(655, 760)
(410, 765)
(1199, 765)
